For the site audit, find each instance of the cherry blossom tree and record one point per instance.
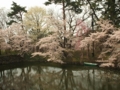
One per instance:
(15, 40)
(3, 45)
(19, 41)
(104, 43)
(60, 42)
(49, 47)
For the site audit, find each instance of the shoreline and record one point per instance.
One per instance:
(15, 59)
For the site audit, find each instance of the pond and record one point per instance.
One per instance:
(48, 77)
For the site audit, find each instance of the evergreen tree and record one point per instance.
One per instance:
(16, 13)
(109, 9)
(112, 11)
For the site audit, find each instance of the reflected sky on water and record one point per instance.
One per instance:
(39, 77)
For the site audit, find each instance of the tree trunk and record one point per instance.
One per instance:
(88, 51)
(93, 10)
(93, 52)
(64, 22)
(92, 23)
(0, 50)
(64, 16)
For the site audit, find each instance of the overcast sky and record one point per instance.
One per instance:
(27, 3)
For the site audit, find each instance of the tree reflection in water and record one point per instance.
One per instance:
(51, 78)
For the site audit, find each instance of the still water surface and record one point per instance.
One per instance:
(42, 77)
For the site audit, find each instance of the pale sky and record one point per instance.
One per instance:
(27, 3)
